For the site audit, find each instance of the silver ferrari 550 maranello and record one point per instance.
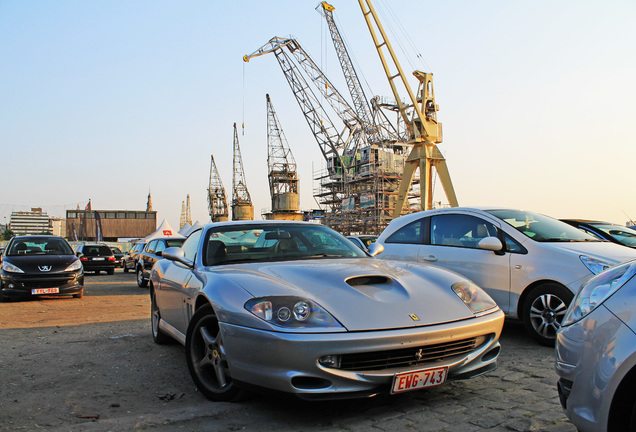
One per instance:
(296, 307)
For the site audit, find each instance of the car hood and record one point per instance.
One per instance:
(362, 294)
(602, 250)
(31, 263)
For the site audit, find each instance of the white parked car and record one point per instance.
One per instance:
(530, 264)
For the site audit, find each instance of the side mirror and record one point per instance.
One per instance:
(375, 249)
(176, 254)
(159, 253)
(491, 244)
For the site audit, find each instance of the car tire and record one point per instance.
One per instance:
(141, 281)
(125, 268)
(206, 358)
(543, 311)
(79, 295)
(155, 316)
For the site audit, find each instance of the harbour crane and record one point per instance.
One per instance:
(375, 125)
(420, 119)
(242, 208)
(186, 213)
(282, 174)
(332, 144)
(217, 202)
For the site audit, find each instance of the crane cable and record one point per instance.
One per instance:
(404, 36)
(243, 108)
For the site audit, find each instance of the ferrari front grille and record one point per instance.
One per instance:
(406, 357)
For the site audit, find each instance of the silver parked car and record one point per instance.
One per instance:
(596, 353)
(530, 264)
(298, 308)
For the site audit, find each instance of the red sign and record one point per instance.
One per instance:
(167, 232)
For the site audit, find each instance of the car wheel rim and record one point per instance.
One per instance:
(140, 277)
(208, 356)
(546, 314)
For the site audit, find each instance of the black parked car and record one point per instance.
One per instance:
(130, 258)
(40, 265)
(119, 256)
(150, 255)
(96, 258)
(606, 231)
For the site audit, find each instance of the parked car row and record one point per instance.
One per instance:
(280, 287)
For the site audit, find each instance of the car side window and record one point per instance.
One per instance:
(191, 245)
(409, 234)
(513, 246)
(460, 230)
(161, 246)
(151, 246)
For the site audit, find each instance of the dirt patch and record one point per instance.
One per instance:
(91, 365)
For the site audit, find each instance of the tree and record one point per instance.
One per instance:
(7, 234)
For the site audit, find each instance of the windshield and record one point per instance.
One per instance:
(40, 246)
(623, 235)
(542, 228)
(275, 242)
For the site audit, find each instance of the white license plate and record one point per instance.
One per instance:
(419, 379)
(45, 291)
(98, 259)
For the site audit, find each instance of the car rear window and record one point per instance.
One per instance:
(97, 251)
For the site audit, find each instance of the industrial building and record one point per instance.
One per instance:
(109, 225)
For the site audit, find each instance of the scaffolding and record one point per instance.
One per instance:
(367, 195)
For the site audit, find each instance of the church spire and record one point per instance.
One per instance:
(149, 203)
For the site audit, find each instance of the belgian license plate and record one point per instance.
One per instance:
(98, 259)
(45, 291)
(419, 379)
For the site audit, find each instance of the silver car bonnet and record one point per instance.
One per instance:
(603, 250)
(362, 294)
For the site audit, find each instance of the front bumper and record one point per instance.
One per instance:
(22, 285)
(289, 362)
(589, 355)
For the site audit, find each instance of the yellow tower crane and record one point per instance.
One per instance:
(420, 118)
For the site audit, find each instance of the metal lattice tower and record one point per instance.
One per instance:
(242, 208)
(217, 201)
(188, 211)
(283, 179)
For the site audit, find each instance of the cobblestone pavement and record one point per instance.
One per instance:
(110, 376)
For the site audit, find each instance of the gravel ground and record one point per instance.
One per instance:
(90, 365)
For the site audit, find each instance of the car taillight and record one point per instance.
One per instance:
(83, 259)
(111, 258)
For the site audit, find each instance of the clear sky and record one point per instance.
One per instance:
(107, 100)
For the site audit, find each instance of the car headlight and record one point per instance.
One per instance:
(595, 265)
(474, 297)
(76, 265)
(291, 312)
(598, 289)
(8, 267)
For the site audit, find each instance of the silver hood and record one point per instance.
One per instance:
(362, 294)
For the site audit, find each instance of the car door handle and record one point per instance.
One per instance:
(429, 258)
